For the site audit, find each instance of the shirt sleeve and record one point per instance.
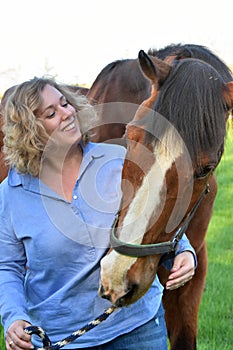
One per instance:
(183, 245)
(12, 273)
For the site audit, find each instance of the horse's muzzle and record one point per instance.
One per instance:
(119, 300)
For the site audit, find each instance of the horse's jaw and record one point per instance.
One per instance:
(125, 279)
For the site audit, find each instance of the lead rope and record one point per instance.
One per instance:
(47, 345)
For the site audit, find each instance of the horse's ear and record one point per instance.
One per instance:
(157, 71)
(228, 94)
(153, 68)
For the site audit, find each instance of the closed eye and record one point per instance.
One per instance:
(50, 116)
(63, 103)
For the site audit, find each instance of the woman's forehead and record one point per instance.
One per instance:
(50, 95)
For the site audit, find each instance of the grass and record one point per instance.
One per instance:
(2, 343)
(216, 310)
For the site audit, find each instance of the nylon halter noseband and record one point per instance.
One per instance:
(141, 250)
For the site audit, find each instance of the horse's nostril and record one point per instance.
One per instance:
(132, 288)
(106, 296)
(127, 296)
(103, 294)
(101, 290)
(118, 299)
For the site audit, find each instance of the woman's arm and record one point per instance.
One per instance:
(13, 304)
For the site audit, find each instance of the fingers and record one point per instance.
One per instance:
(177, 284)
(11, 343)
(185, 259)
(182, 271)
(18, 344)
(16, 338)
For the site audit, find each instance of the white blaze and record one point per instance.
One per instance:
(147, 202)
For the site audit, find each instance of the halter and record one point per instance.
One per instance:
(142, 250)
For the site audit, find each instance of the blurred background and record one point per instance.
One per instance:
(73, 40)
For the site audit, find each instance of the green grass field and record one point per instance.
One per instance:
(216, 310)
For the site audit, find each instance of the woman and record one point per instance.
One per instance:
(56, 210)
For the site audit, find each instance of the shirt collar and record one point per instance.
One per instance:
(91, 151)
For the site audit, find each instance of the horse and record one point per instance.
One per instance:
(123, 81)
(175, 142)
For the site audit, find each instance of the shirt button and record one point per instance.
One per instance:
(75, 196)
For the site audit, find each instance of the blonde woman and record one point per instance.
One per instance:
(57, 206)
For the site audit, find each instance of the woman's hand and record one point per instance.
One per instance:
(182, 270)
(16, 338)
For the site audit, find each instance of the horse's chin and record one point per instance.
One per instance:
(120, 301)
(126, 299)
(129, 286)
(131, 297)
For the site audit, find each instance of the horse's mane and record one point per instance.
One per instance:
(127, 73)
(191, 99)
(194, 51)
(112, 65)
(107, 70)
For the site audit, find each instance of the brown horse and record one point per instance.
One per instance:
(123, 81)
(174, 146)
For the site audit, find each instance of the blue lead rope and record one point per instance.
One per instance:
(47, 345)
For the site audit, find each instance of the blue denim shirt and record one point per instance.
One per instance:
(50, 252)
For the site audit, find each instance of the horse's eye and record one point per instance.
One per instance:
(203, 172)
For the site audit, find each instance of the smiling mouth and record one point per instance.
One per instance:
(69, 127)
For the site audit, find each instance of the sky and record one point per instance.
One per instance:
(74, 40)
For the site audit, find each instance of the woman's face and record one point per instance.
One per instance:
(59, 117)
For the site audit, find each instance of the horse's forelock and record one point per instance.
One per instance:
(194, 51)
(192, 100)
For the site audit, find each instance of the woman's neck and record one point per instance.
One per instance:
(61, 172)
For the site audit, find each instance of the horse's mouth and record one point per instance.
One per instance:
(128, 298)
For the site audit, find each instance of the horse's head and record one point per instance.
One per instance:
(174, 144)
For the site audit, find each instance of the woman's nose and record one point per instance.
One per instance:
(65, 112)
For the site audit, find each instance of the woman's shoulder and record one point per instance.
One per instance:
(16, 179)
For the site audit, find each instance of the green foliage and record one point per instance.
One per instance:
(2, 343)
(216, 310)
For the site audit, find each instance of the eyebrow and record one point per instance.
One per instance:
(52, 106)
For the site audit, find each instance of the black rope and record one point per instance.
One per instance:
(47, 345)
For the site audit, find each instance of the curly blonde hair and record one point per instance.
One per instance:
(24, 135)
